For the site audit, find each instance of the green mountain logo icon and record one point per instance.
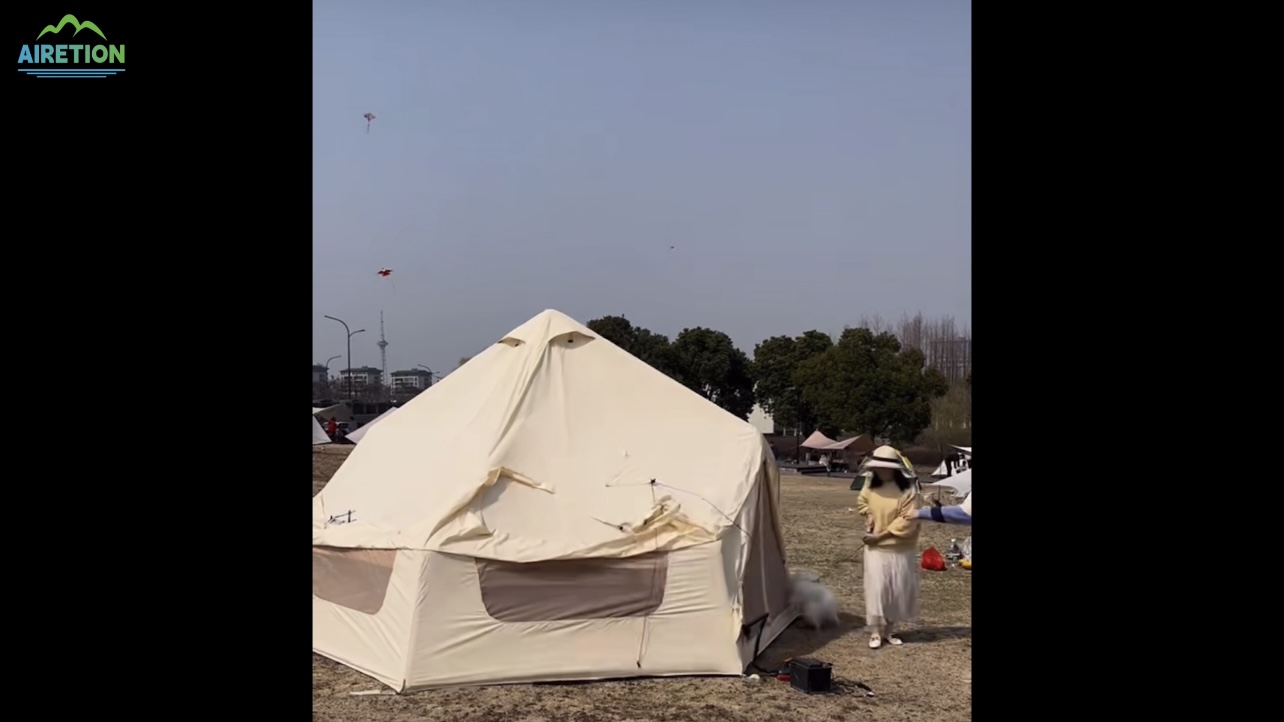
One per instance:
(71, 19)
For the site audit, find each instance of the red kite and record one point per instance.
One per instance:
(387, 273)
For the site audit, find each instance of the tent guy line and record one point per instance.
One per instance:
(653, 483)
(655, 569)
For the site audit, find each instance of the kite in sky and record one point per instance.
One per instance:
(387, 273)
(369, 117)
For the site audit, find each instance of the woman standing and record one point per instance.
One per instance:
(889, 496)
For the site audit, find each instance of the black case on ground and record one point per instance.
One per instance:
(810, 675)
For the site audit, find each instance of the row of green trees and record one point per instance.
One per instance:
(865, 380)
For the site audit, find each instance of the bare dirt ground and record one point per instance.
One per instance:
(929, 678)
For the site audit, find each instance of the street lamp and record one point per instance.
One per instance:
(327, 372)
(350, 335)
(431, 373)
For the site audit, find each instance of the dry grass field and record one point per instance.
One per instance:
(929, 678)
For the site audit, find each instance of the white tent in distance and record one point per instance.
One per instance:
(961, 483)
(356, 436)
(318, 434)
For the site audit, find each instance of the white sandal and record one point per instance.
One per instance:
(894, 641)
(875, 642)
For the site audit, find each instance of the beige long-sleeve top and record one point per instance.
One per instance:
(886, 507)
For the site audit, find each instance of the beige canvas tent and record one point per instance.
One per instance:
(553, 510)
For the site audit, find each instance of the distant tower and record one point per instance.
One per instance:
(383, 352)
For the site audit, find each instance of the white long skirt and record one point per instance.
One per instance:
(891, 587)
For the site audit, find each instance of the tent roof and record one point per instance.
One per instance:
(340, 412)
(817, 440)
(550, 444)
(861, 442)
(961, 482)
(318, 434)
(356, 436)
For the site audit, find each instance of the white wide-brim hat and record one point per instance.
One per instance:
(887, 457)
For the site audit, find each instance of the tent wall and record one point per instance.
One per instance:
(372, 643)
(458, 643)
(420, 619)
(573, 589)
(766, 578)
(357, 579)
(765, 581)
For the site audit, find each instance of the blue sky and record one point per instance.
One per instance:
(810, 162)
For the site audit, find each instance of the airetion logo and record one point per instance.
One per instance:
(42, 60)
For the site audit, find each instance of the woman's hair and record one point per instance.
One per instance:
(902, 482)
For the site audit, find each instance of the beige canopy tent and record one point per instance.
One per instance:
(318, 434)
(555, 509)
(817, 440)
(861, 443)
